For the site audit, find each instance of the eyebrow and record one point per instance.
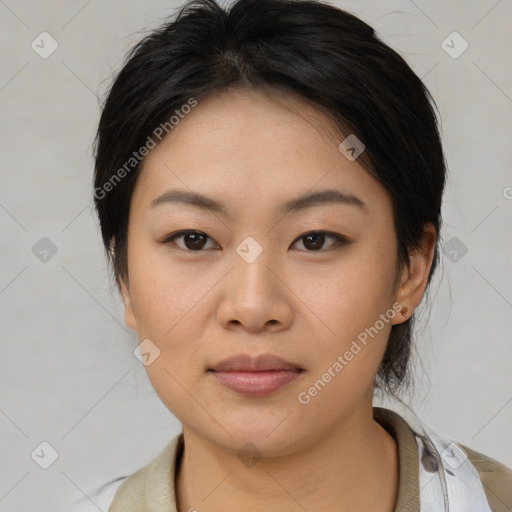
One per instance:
(328, 196)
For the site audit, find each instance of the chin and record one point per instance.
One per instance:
(265, 434)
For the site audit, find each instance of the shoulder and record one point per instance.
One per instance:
(130, 493)
(415, 464)
(152, 484)
(496, 479)
(97, 498)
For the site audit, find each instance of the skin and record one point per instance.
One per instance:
(253, 151)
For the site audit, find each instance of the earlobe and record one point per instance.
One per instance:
(415, 276)
(129, 316)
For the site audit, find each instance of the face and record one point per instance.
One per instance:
(253, 279)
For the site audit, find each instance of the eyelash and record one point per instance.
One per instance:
(339, 239)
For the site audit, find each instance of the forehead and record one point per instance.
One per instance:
(249, 147)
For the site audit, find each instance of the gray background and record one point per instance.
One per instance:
(68, 375)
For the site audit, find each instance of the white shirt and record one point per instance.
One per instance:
(98, 498)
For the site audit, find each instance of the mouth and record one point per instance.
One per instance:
(259, 376)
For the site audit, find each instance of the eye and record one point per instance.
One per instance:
(193, 240)
(314, 240)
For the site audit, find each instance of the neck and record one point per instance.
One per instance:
(354, 467)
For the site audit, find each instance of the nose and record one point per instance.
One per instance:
(255, 295)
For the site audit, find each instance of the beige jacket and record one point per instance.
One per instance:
(151, 488)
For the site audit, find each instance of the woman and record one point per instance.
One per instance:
(269, 182)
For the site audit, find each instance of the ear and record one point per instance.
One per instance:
(129, 315)
(415, 275)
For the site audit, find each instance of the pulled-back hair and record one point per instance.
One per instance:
(325, 55)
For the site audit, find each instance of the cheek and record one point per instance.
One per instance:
(345, 307)
(349, 293)
(164, 294)
(168, 309)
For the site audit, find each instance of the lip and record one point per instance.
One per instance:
(255, 376)
(247, 363)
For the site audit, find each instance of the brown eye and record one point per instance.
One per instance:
(196, 241)
(314, 241)
(192, 240)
